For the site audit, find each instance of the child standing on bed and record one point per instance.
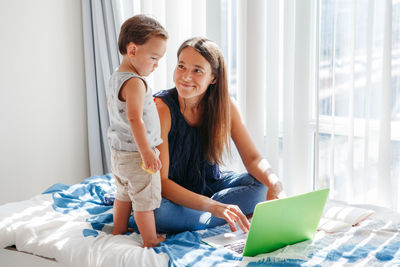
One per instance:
(134, 130)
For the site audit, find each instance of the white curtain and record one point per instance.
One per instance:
(275, 62)
(358, 101)
(331, 94)
(317, 83)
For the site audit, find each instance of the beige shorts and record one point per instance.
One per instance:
(133, 183)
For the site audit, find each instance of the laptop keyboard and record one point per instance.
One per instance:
(237, 246)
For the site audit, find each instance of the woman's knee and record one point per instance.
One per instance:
(173, 218)
(164, 214)
(258, 187)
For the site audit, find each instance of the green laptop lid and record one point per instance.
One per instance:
(285, 221)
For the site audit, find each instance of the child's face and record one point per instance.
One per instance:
(146, 56)
(193, 74)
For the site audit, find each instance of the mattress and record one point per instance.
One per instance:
(70, 225)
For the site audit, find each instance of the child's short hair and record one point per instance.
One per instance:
(139, 29)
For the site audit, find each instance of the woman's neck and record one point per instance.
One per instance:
(191, 109)
(189, 103)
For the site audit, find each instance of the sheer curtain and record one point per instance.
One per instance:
(322, 100)
(358, 101)
(317, 83)
(275, 77)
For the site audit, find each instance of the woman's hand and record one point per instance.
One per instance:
(275, 191)
(232, 214)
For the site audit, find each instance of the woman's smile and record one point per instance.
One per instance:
(185, 85)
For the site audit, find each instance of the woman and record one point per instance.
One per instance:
(198, 119)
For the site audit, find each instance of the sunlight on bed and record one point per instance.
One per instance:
(19, 215)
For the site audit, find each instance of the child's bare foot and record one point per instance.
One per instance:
(153, 243)
(122, 232)
(119, 231)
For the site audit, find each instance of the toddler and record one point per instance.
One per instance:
(134, 130)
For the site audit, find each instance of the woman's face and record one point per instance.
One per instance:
(193, 74)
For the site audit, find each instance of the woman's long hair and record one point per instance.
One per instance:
(215, 126)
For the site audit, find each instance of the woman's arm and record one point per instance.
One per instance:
(255, 164)
(184, 197)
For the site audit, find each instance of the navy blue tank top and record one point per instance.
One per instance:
(188, 166)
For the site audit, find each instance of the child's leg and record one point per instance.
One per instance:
(147, 228)
(122, 212)
(122, 203)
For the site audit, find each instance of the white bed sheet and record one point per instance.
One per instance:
(71, 235)
(34, 227)
(12, 257)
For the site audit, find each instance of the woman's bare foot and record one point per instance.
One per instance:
(153, 243)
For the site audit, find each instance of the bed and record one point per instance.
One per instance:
(70, 225)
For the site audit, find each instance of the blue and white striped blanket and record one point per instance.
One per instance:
(73, 224)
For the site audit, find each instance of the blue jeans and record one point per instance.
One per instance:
(238, 189)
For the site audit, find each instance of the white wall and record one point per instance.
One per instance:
(43, 135)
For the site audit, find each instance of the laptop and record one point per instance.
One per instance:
(275, 224)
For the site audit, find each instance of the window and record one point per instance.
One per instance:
(350, 98)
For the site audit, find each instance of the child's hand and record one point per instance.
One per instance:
(151, 161)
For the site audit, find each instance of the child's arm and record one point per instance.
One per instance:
(133, 92)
